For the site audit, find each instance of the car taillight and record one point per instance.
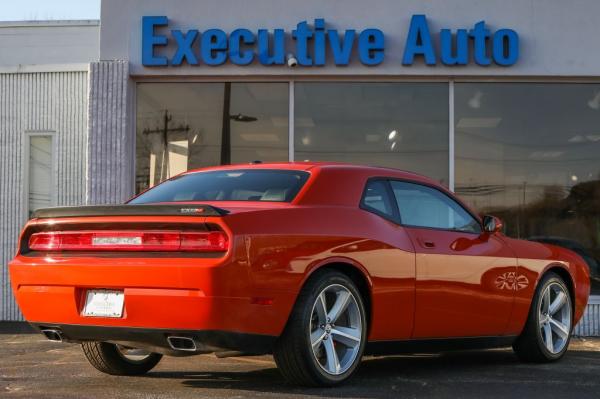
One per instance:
(212, 241)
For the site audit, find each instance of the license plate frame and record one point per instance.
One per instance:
(104, 303)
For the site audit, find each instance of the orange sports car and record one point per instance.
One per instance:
(316, 263)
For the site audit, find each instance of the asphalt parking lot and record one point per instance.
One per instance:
(31, 367)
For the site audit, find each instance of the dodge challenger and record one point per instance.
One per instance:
(318, 264)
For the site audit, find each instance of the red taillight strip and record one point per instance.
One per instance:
(161, 241)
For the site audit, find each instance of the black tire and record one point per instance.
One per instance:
(529, 346)
(293, 350)
(107, 358)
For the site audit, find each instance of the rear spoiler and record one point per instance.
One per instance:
(129, 210)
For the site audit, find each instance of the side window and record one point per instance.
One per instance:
(423, 206)
(376, 198)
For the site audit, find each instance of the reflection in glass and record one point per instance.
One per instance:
(228, 185)
(399, 125)
(528, 153)
(182, 126)
(422, 206)
(40, 172)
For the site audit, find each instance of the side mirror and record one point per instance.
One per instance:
(492, 224)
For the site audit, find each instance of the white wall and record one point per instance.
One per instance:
(49, 42)
(556, 38)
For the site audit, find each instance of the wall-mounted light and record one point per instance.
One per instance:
(392, 135)
(292, 61)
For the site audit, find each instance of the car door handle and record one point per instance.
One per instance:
(429, 244)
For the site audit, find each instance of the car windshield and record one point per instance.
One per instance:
(228, 185)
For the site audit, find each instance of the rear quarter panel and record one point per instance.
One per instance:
(285, 246)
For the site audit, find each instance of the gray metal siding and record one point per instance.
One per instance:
(111, 140)
(589, 325)
(38, 102)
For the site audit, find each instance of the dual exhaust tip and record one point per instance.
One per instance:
(53, 335)
(186, 344)
(177, 343)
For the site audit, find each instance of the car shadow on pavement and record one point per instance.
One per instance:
(461, 374)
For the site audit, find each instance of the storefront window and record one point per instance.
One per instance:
(399, 125)
(529, 153)
(181, 126)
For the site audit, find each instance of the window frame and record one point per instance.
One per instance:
(397, 217)
(26, 154)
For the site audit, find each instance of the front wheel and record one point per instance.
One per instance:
(325, 337)
(119, 360)
(547, 331)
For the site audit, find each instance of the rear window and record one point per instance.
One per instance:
(228, 185)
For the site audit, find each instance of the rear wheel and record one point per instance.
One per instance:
(547, 332)
(325, 336)
(119, 360)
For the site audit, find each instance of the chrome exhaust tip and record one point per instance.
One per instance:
(53, 335)
(182, 343)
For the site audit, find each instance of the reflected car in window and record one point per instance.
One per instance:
(318, 264)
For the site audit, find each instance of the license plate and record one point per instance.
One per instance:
(104, 303)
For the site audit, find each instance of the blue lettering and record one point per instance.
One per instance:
(480, 36)
(418, 42)
(370, 47)
(150, 40)
(236, 55)
(302, 34)
(341, 51)
(319, 42)
(184, 47)
(214, 46)
(276, 56)
(314, 44)
(506, 56)
(462, 47)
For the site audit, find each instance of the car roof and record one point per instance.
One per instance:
(315, 165)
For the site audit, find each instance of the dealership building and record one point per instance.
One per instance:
(497, 100)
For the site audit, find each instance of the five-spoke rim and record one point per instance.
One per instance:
(554, 318)
(132, 355)
(335, 329)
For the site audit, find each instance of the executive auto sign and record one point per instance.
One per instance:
(215, 47)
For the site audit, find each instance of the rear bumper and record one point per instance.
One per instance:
(160, 294)
(155, 340)
(182, 309)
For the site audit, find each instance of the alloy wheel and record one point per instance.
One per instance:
(554, 318)
(335, 329)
